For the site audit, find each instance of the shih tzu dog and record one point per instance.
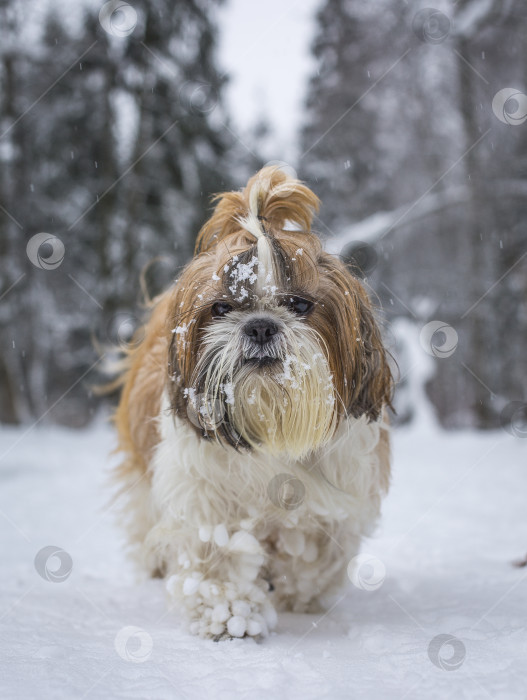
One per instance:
(252, 418)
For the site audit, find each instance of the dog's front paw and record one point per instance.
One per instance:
(239, 618)
(223, 611)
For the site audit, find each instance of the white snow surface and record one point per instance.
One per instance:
(454, 521)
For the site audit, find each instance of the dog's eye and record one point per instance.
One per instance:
(220, 308)
(300, 306)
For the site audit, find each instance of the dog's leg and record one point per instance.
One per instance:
(309, 566)
(219, 585)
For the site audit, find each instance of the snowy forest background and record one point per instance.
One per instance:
(115, 131)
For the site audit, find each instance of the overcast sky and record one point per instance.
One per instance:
(265, 48)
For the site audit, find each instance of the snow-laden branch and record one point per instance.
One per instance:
(376, 226)
(475, 15)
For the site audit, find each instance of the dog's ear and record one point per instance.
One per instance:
(187, 310)
(357, 356)
(375, 388)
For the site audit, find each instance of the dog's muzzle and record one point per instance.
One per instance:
(262, 340)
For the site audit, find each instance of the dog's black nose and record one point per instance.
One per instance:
(260, 330)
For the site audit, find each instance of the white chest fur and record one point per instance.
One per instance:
(200, 482)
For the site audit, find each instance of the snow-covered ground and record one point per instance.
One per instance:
(454, 521)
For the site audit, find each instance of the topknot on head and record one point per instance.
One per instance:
(279, 199)
(271, 201)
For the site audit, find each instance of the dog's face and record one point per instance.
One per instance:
(272, 340)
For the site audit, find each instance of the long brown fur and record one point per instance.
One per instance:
(167, 355)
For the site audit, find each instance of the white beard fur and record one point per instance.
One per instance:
(204, 518)
(290, 411)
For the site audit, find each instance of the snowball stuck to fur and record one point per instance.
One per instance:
(190, 585)
(243, 541)
(204, 533)
(254, 628)
(241, 608)
(221, 536)
(217, 628)
(220, 612)
(237, 626)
